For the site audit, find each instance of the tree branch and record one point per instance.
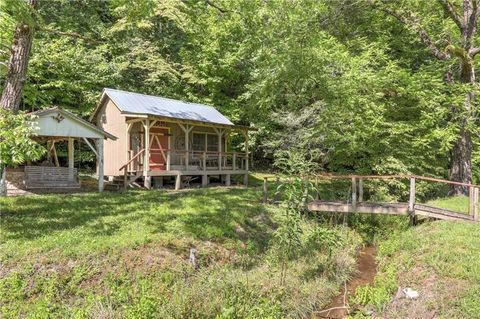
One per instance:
(452, 13)
(412, 23)
(220, 9)
(470, 9)
(70, 34)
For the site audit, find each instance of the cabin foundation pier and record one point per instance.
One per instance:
(227, 180)
(178, 182)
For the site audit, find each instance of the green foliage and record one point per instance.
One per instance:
(16, 144)
(412, 258)
(380, 292)
(346, 81)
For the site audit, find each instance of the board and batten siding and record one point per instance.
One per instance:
(111, 120)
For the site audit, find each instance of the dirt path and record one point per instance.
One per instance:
(366, 271)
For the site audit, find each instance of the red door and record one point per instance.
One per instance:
(158, 148)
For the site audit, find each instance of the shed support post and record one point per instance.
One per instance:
(100, 164)
(147, 181)
(360, 190)
(411, 201)
(71, 163)
(204, 180)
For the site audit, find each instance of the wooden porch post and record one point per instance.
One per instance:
(100, 163)
(187, 160)
(71, 163)
(146, 159)
(186, 130)
(219, 133)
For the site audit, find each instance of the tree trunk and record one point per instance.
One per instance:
(3, 181)
(461, 163)
(461, 158)
(17, 65)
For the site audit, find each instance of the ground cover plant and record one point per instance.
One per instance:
(126, 255)
(439, 259)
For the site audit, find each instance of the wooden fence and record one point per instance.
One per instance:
(411, 208)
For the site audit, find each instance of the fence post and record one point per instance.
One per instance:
(204, 161)
(265, 190)
(476, 210)
(411, 201)
(471, 200)
(354, 194)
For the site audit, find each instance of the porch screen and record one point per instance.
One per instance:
(205, 142)
(198, 142)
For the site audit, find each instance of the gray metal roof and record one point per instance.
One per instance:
(136, 103)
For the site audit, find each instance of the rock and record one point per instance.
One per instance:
(410, 293)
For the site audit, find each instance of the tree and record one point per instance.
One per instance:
(20, 54)
(461, 46)
(16, 144)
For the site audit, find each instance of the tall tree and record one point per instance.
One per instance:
(19, 57)
(461, 46)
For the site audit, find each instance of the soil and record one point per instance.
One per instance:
(366, 271)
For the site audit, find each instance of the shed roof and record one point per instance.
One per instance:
(58, 122)
(135, 103)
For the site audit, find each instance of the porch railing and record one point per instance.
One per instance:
(190, 160)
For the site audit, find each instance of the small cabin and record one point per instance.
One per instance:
(160, 139)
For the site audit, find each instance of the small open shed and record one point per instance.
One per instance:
(53, 125)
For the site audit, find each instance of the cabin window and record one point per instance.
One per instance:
(205, 142)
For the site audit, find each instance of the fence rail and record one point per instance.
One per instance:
(411, 208)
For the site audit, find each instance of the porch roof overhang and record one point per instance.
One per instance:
(59, 123)
(134, 117)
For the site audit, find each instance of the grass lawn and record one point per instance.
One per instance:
(126, 255)
(455, 203)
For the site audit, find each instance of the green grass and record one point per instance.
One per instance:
(441, 260)
(455, 203)
(73, 225)
(125, 255)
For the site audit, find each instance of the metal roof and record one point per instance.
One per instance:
(135, 103)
